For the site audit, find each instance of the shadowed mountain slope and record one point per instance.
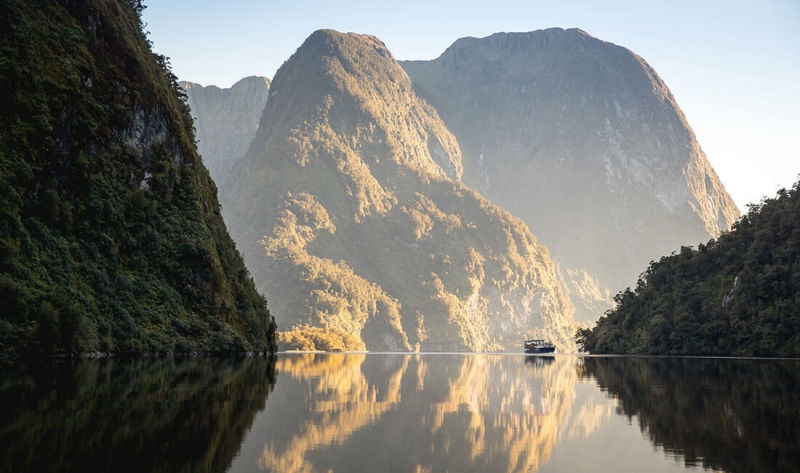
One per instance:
(111, 237)
(226, 120)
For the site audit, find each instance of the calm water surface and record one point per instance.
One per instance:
(402, 413)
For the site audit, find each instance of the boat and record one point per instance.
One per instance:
(539, 346)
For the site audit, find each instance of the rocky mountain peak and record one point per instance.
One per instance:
(349, 210)
(513, 43)
(355, 76)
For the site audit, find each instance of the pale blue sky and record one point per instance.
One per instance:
(733, 66)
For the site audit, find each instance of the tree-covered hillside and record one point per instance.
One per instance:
(736, 295)
(111, 237)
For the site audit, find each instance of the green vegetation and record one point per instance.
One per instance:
(111, 237)
(736, 295)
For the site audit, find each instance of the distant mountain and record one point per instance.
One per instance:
(738, 295)
(111, 237)
(226, 120)
(349, 211)
(582, 140)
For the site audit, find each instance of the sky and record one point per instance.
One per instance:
(733, 66)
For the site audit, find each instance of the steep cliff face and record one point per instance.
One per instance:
(583, 141)
(226, 120)
(111, 238)
(350, 214)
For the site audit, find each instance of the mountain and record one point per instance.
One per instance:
(226, 120)
(582, 140)
(738, 295)
(111, 237)
(349, 211)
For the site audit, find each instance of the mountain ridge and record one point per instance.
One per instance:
(577, 136)
(233, 115)
(365, 213)
(601, 166)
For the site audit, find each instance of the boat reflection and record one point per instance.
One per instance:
(539, 361)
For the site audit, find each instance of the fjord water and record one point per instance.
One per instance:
(403, 413)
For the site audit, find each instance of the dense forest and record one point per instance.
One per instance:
(111, 237)
(733, 296)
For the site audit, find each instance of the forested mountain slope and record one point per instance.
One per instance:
(736, 295)
(111, 237)
(349, 211)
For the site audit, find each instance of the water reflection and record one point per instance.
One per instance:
(413, 413)
(129, 415)
(405, 413)
(728, 414)
(441, 412)
(539, 360)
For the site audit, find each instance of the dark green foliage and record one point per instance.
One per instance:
(111, 237)
(734, 296)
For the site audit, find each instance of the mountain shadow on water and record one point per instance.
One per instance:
(120, 415)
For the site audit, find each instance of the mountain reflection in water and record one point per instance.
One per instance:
(507, 413)
(402, 412)
(412, 413)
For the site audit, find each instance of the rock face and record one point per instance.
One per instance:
(582, 140)
(226, 120)
(111, 237)
(349, 211)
